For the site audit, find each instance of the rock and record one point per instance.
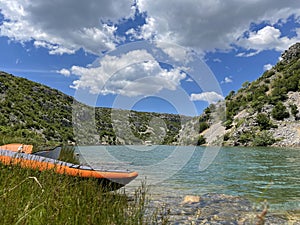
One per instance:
(292, 53)
(189, 199)
(211, 209)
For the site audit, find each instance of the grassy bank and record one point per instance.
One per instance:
(32, 197)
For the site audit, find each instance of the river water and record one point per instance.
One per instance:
(271, 174)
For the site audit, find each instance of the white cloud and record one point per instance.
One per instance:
(217, 60)
(266, 38)
(210, 97)
(176, 52)
(131, 74)
(64, 26)
(268, 66)
(227, 80)
(207, 25)
(64, 72)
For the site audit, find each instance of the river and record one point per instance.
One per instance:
(271, 174)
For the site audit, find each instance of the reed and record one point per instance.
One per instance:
(32, 197)
(68, 154)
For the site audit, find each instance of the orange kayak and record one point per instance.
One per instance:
(16, 147)
(111, 179)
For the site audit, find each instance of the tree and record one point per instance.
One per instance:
(201, 140)
(279, 112)
(203, 126)
(294, 110)
(263, 121)
(230, 95)
(264, 138)
(246, 84)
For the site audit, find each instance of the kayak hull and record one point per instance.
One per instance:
(111, 179)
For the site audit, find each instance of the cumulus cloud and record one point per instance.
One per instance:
(210, 97)
(131, 74)
(267, 38)
(64, 72)
(207, 25)
(64, 26)
(268, 66)
(227, 80)
(176, 52)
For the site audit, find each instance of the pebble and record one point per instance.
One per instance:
(213, 209)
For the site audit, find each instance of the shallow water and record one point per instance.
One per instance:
(256, 173)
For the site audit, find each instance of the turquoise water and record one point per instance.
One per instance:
(256, 173)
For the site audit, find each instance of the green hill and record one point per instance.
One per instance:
(266, 111)
(263, 112)
(33, 113)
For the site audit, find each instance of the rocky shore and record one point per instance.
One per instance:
(217, 209)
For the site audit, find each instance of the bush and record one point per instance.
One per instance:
(226, 136)
(228, 124)
(279, 112)
(263, 121)
(201, 140)
(263, 139)
(294, 110)
(203, 126)
(246, 137)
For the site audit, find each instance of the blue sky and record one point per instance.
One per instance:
(76, 47)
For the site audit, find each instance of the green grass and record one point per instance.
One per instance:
(67, 154)
(32, 197)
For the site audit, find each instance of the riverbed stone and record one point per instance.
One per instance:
(188, 199)
(214, 209)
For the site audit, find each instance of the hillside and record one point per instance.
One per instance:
(34, 113)
(263, 112)
(266, 111)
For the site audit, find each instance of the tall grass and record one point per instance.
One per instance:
(32, 197)
(68, 154)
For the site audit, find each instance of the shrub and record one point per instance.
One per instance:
(294, 110)
(263, 138)
(201, 140)
(263, 121)
(279, 112)
(246, 137)
(226, 136)
(228, 124)
(203, 126)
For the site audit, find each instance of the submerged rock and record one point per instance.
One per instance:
(214, 209)
(191, 199)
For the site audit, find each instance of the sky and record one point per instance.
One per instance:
(162, 56)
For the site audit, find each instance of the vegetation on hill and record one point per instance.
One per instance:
(265, 103)
(36, 114)
(33, 113)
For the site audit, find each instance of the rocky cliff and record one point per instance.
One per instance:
(266, 111)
